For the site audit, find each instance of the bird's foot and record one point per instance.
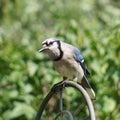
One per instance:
(58, 86)
(75, 79)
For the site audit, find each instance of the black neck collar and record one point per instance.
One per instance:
(61, 52)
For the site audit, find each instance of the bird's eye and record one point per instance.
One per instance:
(47, 43)
(50, 43)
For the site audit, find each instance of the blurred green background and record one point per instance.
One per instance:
(26, 76)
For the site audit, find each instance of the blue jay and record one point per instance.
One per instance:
(68, 61)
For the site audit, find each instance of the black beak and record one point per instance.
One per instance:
(43, 49)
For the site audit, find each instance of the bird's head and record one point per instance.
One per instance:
(52, 47)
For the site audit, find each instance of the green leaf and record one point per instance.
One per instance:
(32, 68)
(109, 104)
(19, 110)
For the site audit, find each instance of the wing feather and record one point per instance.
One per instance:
(80, 59)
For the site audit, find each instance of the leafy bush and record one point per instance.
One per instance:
(26, 76)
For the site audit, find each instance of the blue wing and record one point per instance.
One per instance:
(79, 58)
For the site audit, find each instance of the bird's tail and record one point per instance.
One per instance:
(88, 88)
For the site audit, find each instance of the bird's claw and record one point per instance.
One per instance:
(58, 86)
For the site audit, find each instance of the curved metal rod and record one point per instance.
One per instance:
(60, 85)
(45, 101)
(61, 100)
(86, 96)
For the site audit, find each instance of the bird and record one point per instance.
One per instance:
(68, 62)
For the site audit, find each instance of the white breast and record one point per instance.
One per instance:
(68, 68)
(64, 69)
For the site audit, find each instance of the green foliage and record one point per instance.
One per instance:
(26, 76)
